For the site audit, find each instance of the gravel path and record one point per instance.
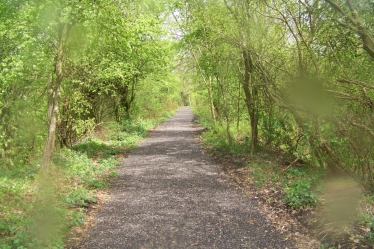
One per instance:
(170, 195)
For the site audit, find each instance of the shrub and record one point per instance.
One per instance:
(80, 197)
(299, 194)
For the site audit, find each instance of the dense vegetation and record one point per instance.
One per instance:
(264, 75)
(295, 74)
(80, 83)
(73, 65)
(290, 79)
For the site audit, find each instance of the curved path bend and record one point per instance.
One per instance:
(170, 195)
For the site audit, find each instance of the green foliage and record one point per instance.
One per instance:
(115, 65)
(315, 106)
(112, 174)
(326, 246)
(299, 193)
(116, 69)
(165, 116)
(95, 148)
(370, 233)
(277, 132)
(216, 138)
(95, 183)
(80, 197)
(74, 164)
(309, 95)
(300, 183)
(77, 219)
(139, 127)
(38, 213)
(130, 131)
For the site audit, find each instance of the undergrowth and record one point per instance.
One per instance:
(302, 186)
(38, 212)
(299, 183)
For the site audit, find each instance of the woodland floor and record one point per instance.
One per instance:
(171, 194)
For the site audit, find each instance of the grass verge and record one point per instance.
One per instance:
(300, 198)
(39, 212)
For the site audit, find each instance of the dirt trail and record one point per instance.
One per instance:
(170, 195)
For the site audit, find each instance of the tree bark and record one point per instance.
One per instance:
(210, 94)
(225, 110)
(53, 101)
(249, 100)
(238, 109)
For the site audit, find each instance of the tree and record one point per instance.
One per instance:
(73, 64)
(354, 23)
(304, 77)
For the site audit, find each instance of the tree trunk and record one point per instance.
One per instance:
(53, 101)
(249, 100)
(127, 110)
(132, 97)
(238, 109)
(211, 104)
(225, 111)
(208, 86)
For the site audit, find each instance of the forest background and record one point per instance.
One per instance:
(81, 81)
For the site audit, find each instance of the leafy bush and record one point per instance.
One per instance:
(299, 194)
(370, 233)
(96, 183)
(96, 148)
(138, 127)
(76, 218)
(80, 197)
(297, 182)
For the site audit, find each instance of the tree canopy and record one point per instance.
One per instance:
(74, 64)
(293, 75)
(289, 77)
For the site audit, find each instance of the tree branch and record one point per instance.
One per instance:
(358, 27)
(364, 127)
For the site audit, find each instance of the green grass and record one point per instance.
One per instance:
(299, 183)
(298, 186)
(38, 212)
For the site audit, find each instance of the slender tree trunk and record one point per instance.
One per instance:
(249, 100)
(50, 93)
(225, 110)
(117, 110)
(127, 110)
(132, 97)
(238, 109)
(53, 101)
(208, 85)
(254, 120)
(210, 94)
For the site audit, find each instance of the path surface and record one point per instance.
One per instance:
(170, 195)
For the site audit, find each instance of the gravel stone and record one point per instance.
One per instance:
(169, 194)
